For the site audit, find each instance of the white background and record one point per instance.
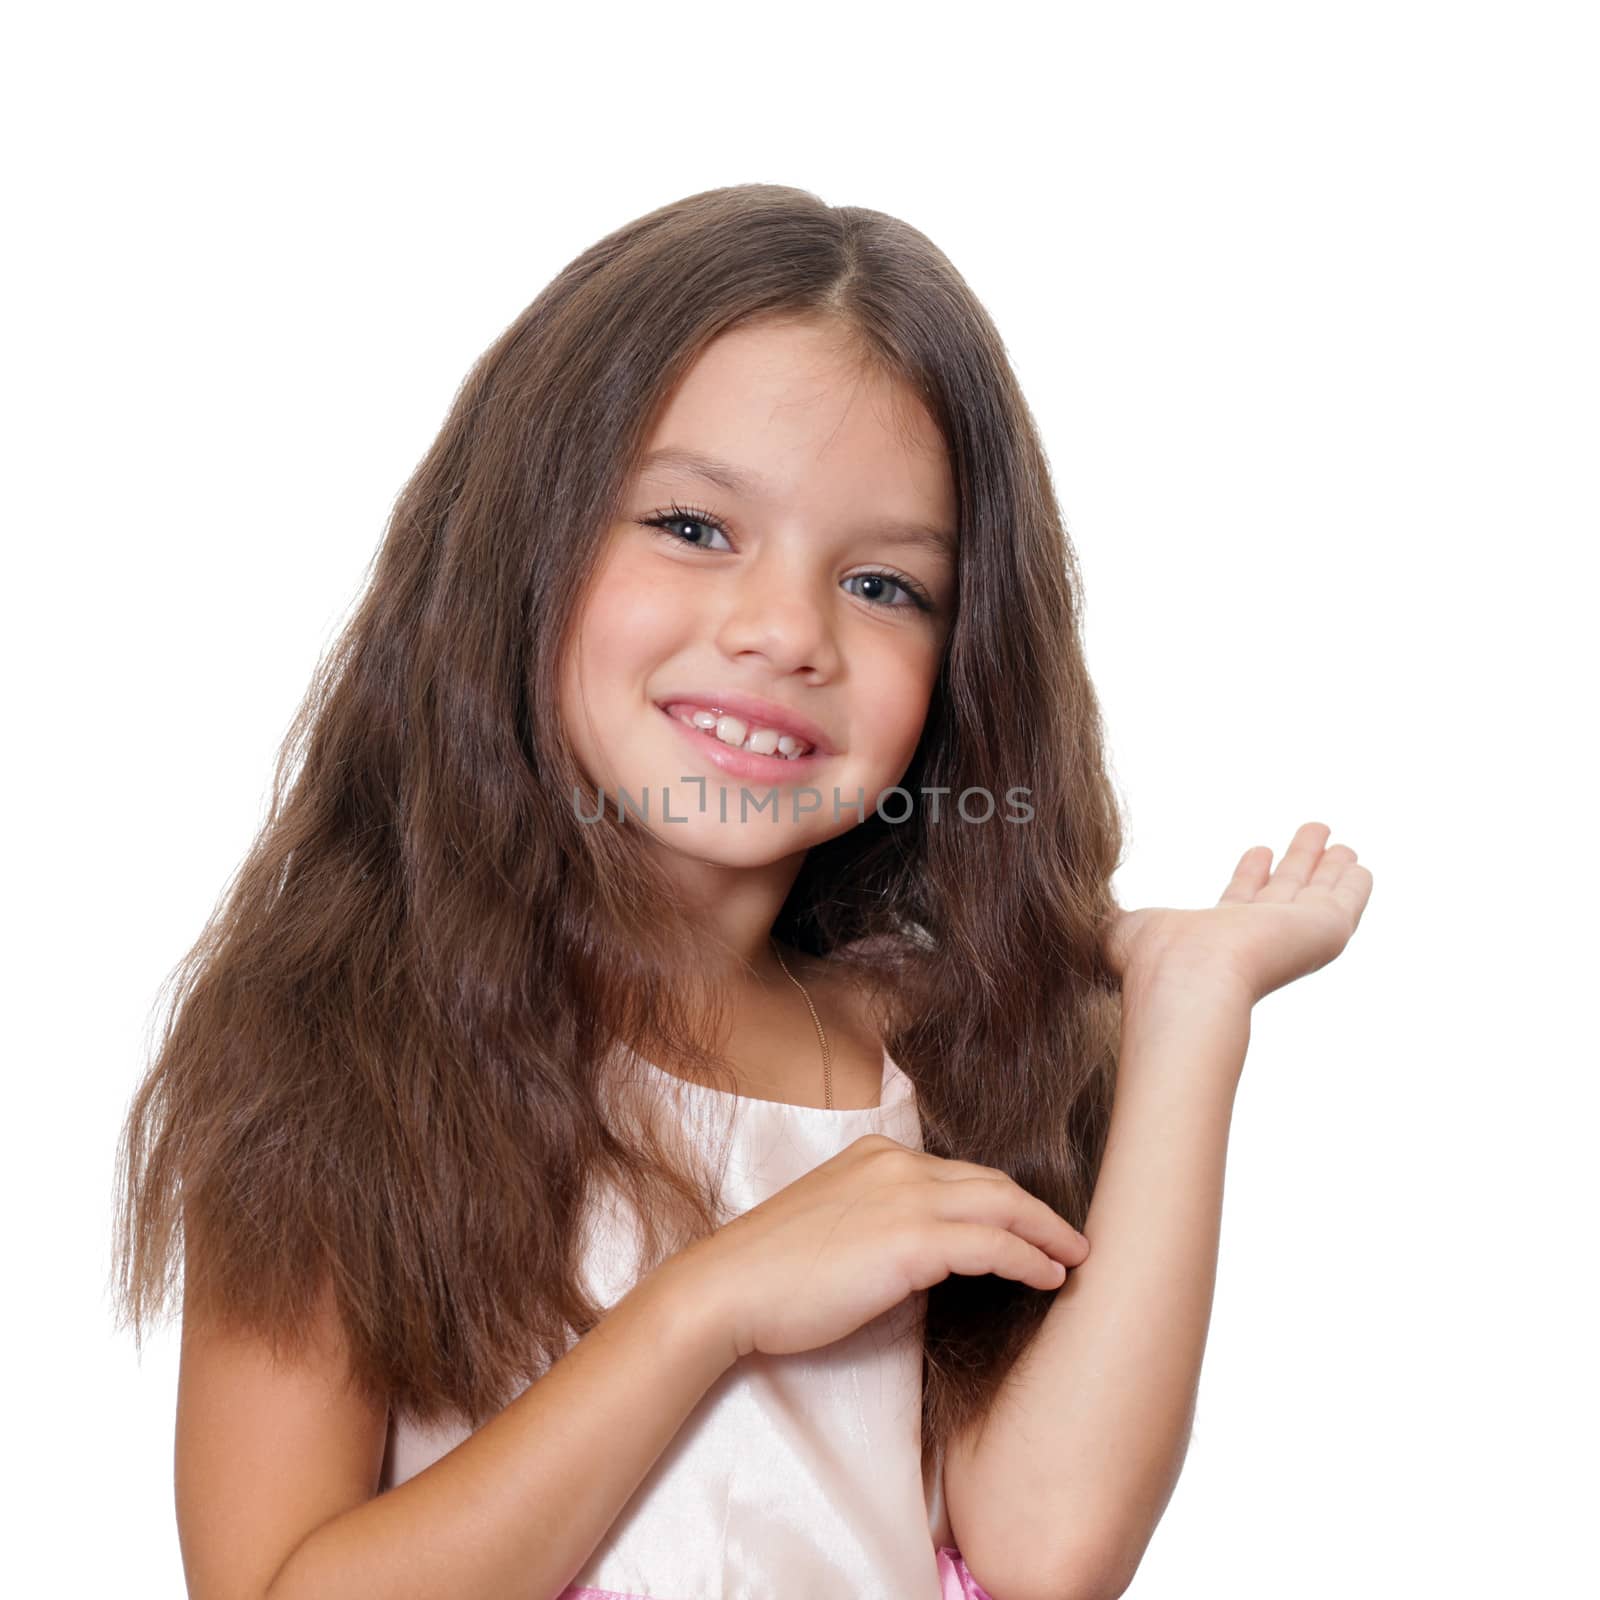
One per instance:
(1304, 301)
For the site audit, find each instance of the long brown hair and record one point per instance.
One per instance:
(380, 1071)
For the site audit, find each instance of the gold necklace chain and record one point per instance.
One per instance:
(827, 1059)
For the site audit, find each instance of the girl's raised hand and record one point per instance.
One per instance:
(861, 1232)
(1268, 928)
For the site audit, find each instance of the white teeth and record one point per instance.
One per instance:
(762, 741)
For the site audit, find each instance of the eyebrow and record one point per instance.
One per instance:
(751, 486)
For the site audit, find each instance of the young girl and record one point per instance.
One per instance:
(628, 1127)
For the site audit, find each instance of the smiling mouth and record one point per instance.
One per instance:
(735, 733)
(740, 761)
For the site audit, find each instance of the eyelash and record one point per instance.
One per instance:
(920, 598)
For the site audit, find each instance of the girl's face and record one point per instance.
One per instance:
(802, 555)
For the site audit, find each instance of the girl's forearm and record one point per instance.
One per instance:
(516, 1509)
(1078, 1458)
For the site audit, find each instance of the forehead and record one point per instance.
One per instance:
(784, 413)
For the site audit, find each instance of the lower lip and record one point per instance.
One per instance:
(739, 763)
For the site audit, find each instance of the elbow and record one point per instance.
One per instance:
(1087, 1575)
(1100, 1583)
(1095, 1574)
(1074, 1585)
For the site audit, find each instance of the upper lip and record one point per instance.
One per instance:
(752, 709)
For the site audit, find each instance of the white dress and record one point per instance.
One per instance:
(796, 1477)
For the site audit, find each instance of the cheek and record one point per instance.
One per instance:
(897, 708)
(627, 620)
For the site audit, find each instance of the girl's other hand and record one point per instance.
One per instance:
(863, 1231)
(1268, 928)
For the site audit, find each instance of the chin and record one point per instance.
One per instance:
(753, 844)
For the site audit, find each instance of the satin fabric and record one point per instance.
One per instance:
(797, 1477)
(955, 1583)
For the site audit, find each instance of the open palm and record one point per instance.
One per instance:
(1269, 928)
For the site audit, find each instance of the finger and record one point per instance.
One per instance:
(954, 1167)
(1248, 876)
(973, 1248)
(1329, 869)
(1299, 861)
(976, 1192)
(1353, 890)
(998, 1200)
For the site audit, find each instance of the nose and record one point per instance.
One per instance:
(777, 609)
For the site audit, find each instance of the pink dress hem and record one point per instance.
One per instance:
(955, 1583)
